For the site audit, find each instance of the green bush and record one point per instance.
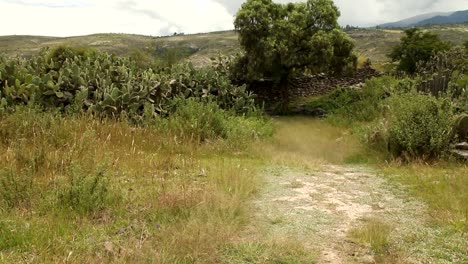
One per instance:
(419, 125)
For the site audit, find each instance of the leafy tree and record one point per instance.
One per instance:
(283, 39)
(466, 46)
(416, 47)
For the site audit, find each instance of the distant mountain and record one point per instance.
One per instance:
(430, 19)
(455, 18)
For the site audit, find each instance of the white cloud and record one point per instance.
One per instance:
(160, 17)
(139, 17)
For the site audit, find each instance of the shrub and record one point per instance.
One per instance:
(419, 125)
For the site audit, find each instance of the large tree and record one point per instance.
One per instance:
(283, 39)
(416, 46)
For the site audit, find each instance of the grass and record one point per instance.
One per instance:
(310, 142)
(443, 187)
(373, 233)
(77, 189)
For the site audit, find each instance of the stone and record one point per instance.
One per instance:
(461, 127)
(109, 246)
(462, 146)
(462, 154)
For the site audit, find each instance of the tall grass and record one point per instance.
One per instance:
(78, 189)
(443, 186)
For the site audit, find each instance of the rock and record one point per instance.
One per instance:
(304, 110)
(462, 146)
(109, 246)
(461, 127)
(368, 259)
(462, 154)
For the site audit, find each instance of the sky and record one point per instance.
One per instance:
(164, 17)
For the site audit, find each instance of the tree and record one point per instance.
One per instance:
(283, 39)
(416, 47)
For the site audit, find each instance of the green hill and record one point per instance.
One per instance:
(199, 48)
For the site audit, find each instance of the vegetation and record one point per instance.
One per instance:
(416, 47)
(77, 80)
(146, 159)
(282, 39)
(143, 191)
(412, 122)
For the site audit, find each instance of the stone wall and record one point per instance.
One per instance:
(314, 85)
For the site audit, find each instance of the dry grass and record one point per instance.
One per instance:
(154, 198)
(443, 187)
(310, 142)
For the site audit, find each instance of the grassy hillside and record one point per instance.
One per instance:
(370, 43)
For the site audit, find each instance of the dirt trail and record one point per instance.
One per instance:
(317, 204)
(320, 207)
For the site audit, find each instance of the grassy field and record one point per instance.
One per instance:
(76, 189)
(199, 48)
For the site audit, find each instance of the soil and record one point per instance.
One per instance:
(320, 207)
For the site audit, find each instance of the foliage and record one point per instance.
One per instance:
(282, 39)
(351, 105)
(393, 116)
(110, 86)
(446, 74)
(419, 125)
(416, 47)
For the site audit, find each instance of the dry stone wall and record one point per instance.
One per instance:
(314, 85)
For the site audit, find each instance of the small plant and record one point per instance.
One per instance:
(87, 192)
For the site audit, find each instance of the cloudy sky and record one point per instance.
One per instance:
(163, 17)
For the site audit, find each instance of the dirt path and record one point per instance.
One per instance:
(322, 206)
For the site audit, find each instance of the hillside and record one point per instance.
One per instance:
(413, 20)
(455, 18)
(199, 48)
(437, 18)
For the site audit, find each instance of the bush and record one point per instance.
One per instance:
(419, 125)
